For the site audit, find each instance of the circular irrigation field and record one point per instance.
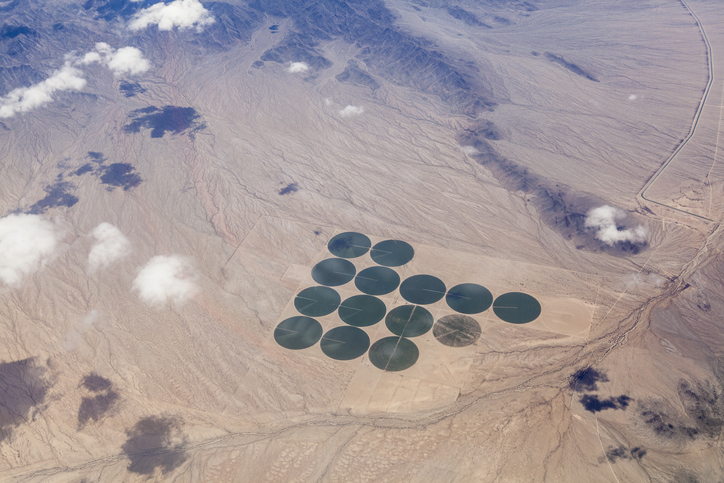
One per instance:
(394, 354)
(362, 310)
(333, 272)
(469, 298)
(298, 333)
(409, 320)
(349, 245)
(456, 330)
(317, 301)
(392, 253)
(422, 289)
(345, 343)
(377, 281)
(516, 308)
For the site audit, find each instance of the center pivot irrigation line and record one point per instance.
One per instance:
(693, 126)
(399, 339)
(368, 278)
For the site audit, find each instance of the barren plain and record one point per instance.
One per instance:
(166, 199)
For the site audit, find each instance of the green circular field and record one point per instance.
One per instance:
(377, 281)
(409, 320)
(516, 308)
(394, 354)
(469, 298)
(298, 333)
(422, 289)
(392, 253)
(362, 310)
(317, 301)
(333, 272)
(345, 343)
(349, 245)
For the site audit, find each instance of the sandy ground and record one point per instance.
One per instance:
(202, 390)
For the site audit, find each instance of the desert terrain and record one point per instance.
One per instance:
(174, 176)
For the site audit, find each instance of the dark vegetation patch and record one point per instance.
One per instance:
(57, 194)
(683, 475)
(171, 119)
(257, 64)
(465, 16)
(594, 404)
(587, 380)
(290, 188)
(274, 28)
(130, 89)
(614, 454)
(150, 445)
(120, 175)
(665, 426)
(24, 386)
(557, 59)
(561, 208)
(95, 383)
(704, 407)
(702, 302)
(352, 74)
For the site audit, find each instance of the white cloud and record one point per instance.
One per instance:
(166, 278)
(179, 13)
(110, 247)
(327, 101)
(24, 99)
(126, 60)
(351, 111)
(633, 97)
(469, 150)
(297, 67)
(27, 242)
(91, 57)
(604, 220)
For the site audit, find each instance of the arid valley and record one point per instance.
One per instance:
(362, 241)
